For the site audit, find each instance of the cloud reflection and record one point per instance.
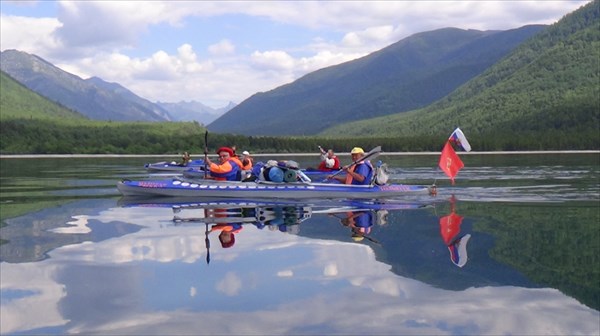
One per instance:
(230, 285)
(362, 295)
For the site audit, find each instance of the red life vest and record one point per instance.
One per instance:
(336, 164)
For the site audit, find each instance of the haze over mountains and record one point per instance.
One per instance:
(541, 79)
(96, 98)
(406, 75)
(193, 110)
(548, 86)
(533, 78)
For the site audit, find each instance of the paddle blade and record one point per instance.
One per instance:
(207, 243)
(373, 152)
(206, 143)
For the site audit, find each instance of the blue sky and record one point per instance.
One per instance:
(220, 51)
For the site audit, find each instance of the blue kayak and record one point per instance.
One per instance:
(181, 187)
(173, 166)
(180, 203)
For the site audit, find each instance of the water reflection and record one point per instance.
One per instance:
(227, 218)
(292, 269)
(77, 259)
(450, 231)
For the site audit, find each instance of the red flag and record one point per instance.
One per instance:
(450, 224)
(450, 163)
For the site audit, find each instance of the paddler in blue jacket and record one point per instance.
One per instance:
(360, 173)
(229, 168)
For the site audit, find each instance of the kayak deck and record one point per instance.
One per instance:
(263, 189)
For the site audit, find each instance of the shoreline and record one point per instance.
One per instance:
(37, 156)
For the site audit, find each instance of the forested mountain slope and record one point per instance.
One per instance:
(17, 101)
(93, 97)
(409, 74)
(549, 86)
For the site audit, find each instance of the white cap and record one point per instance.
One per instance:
(245, 153)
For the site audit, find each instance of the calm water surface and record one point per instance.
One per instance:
(513, 248)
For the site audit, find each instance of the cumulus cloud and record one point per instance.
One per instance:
(323, 59)
(272, 60)
(224, 47)
(106, 23)
(183, 50)
(28, 34)
(368, 36)
(230, 285)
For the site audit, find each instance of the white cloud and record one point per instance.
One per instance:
(133, 43)
(230, 285)
(224, 47)
(272, 60)
(350, 272)
(369, 36)
(32, 35)
(112, 24)
(323, 59)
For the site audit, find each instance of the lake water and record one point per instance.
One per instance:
(513, 248)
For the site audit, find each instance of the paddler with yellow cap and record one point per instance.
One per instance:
(359, 172)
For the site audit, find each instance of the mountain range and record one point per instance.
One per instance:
(549, 86)
(530, 79)
(96, 98)
(404, 76)
(195, 111)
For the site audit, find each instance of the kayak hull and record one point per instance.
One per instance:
(172, 166)
(178, 203)
(233, 189)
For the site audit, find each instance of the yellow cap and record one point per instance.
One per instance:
(356, 237)
(357, 150)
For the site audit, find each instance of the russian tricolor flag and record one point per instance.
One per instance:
(458, 137)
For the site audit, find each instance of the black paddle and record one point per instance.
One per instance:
(372, 153)
(207, 243)
(372, 240)
(205, 154)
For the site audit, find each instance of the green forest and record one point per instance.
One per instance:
(37, 136)
(549, 86)
(544, 96)
(30, 124)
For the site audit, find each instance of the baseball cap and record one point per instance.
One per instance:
(357, 150)
(245, 153)
(357, 237)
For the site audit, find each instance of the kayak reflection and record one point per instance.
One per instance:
(227, 218)
(361, 222)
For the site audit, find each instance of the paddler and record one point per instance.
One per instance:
(360, 173)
